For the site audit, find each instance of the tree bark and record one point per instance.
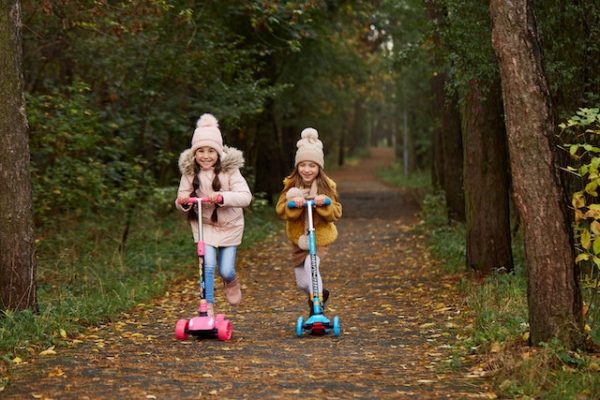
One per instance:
(17, 259)
(453, 159)
(486, 181)
(553, 294)
(447, 141)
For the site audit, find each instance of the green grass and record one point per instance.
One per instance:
(415, 180)
(497, 337)
(83, 279)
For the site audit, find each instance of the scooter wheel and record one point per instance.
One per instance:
(299, 326)
(224, 330)
(180, 329)
(337, 329)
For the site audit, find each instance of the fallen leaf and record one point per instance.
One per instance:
(48, 352)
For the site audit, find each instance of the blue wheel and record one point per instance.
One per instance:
(299, 326)
(337, 329)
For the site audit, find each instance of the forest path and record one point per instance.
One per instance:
(399, 313)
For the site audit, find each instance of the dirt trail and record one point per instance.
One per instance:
(399, 315)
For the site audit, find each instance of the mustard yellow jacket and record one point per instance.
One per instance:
(324, 218)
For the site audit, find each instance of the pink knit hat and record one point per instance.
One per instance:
(207, 133)
(310, 148)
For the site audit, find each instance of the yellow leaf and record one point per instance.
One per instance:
(578, 200)
(495, 347)
(17, 360)
(48, 352)
(586, 239)
(56, 372)
(525, 336)
(582, 257)
(595, 226)
(63, 333)
(596, 246)
(36, 395)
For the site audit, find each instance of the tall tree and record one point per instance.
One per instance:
(447, 140)
(486, 174)
(554, 297)
(486, 180)
(17, 260)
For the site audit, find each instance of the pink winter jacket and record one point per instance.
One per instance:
(229, 228)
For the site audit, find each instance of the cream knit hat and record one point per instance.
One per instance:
(310, 148)
(207, 133)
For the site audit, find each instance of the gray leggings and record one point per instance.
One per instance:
(303, 276)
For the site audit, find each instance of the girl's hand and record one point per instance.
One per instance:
(299, 201)
(216, 198)
(320, 199)
(184, 202)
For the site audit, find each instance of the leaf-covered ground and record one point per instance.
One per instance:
(400, 314)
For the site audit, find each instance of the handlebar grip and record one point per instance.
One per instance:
(194, 200)
(292, 203)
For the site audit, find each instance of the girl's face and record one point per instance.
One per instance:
(308, 171)
(206, 157)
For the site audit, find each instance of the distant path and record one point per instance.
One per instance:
(399, 316)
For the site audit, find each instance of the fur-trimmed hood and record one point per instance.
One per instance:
(232, 159)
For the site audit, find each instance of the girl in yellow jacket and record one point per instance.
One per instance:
(309, 181)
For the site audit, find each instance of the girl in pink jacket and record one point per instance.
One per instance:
(209, 169)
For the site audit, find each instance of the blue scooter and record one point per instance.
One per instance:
(317, 323)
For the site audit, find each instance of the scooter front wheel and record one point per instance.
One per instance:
(337, 329)
(180, 329)
(299, 326)
(224, 330)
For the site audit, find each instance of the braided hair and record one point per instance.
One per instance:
(216, 186)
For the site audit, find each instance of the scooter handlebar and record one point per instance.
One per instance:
(193, 200)
(292, 203)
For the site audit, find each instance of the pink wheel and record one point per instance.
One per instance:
(224, 330)
(180, 329)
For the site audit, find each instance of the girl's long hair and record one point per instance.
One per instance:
(216, 186)
(323, 186)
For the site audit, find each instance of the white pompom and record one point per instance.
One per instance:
(310, 134)
(207, 120)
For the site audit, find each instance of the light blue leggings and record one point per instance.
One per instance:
(226, 268)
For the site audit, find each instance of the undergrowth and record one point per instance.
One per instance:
(497, 338)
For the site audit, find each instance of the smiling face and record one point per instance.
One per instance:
(206, 157)
(308, 171)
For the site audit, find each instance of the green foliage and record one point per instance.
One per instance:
(395, 176)
(78, 165)
(583, 129)
(570, 35)
(467, 36)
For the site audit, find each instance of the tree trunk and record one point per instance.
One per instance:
(486, 180)
(447, 141)
(17, 259)
(453, 159)
(553, 293)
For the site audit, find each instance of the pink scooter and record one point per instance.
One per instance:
(203, 326)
